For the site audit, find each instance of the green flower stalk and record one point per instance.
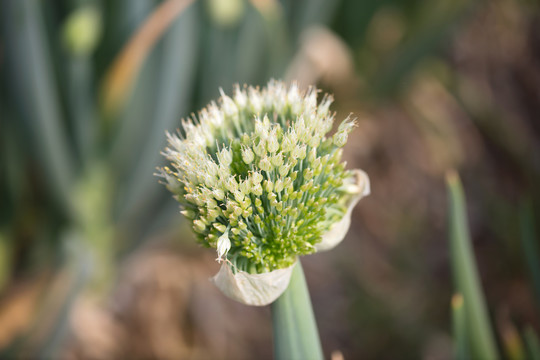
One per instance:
(262, 183)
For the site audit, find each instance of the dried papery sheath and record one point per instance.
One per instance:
(262, 183)
(357, 186)
(252, 289)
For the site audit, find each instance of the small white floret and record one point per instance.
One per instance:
(223, 246)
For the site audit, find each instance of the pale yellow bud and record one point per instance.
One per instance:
(265, 164)
(247, 155)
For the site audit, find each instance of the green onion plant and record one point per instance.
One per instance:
(262, 182)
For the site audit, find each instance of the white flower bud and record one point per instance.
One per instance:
(284, 169)
(247, 155)
(255, 101)
(231, 184)
(300, 128)
(240, 97)
(299, 152)
(211, 168)
(225, 157)
(215, 115)
(289, 141)
(245, 138)
(312, 155)
(324, 106)
(268, 185)
(228, 105)
(310, 101)
(237, 211)
(190, 214)
(280, 99)
(340, 138)
(199, 225)
(220, 227)
(266, 123)
(256, 178)
(218, 194)
(214, 213)
(272, 144)
(257, 189)
(314, 141)
(245, 186)
(265, 164)
(238, 196)
(294, 99)
(278, 186)
(277, 160)
(223, 246)
(260, 149)
(209, 180)
(347, 125)
(287, 182)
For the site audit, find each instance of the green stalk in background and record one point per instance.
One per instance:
(295, 330)
(5, 259)
(28, 56)
(530, 246)
(459, 328)
(532, 344)
(465, 274)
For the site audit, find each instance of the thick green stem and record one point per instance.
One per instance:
(295, 330)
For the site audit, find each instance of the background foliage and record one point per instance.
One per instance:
(94, 259)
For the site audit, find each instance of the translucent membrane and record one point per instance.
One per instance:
(253, 289)
(358, 187)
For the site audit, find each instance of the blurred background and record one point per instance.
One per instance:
(95, 260)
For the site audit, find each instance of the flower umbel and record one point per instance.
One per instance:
(258, 177)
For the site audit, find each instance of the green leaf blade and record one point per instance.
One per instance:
(466, 276)
(459, 327)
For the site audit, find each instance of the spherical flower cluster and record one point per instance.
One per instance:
(259, 178)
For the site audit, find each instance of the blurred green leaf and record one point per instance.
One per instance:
(529, 243)
(251, 67)
(123, 72)
(418, 45)
(134, 121)
(172, 101)
(466, 279)
(78, 268)
(30, 60)
(82, 105)
(121, 18)
(12, 175)
(277, 38)
(532, 343)
(81, 32)
(354, 18)
(459, 326)
(5, 259)
(301, 14)
(217, 61)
